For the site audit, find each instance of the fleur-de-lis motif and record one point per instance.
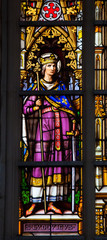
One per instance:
(71, 10)
(35, 48)
(40, 40)
(37, 67)
(31, 56)
(29, 65)
(64, 101)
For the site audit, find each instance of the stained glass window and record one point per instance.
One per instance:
(51, 199)
(100, 117)
(56, 107)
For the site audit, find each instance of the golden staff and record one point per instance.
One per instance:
(37, 69)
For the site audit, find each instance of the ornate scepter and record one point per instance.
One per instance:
(37, 69)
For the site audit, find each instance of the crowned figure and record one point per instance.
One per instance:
(58, 117)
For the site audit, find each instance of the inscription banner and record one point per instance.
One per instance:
(55, 227)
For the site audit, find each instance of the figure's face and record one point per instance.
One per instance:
(50, 69)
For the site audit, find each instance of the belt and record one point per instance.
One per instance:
(49, 109)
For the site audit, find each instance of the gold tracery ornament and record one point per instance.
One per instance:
(23, 7)
(99, 4)
(78, 75)
(29, 65)
(73, 10)
(67, 39)
(37, 67)
(23, 74)
(51, 33)
(99, 109)
(31, 56)
(31, 12)
(64, 39)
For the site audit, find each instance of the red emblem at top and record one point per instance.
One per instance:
(51, 11)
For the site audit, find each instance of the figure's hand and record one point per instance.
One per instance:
(35, 108)
(38, 102)
(76, 131)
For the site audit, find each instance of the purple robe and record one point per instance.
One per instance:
(53, 121)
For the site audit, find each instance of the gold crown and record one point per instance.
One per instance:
(50, 59)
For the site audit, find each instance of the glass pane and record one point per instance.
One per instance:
(101, 127)
(101, 10)
(60, 191)
(54, 128)
(100, 155)
(51, 60)
(52, 134)
(101, 200)
(57, 10)
(100, 58)
(101, 79)
(64, 42)
(100, 118)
